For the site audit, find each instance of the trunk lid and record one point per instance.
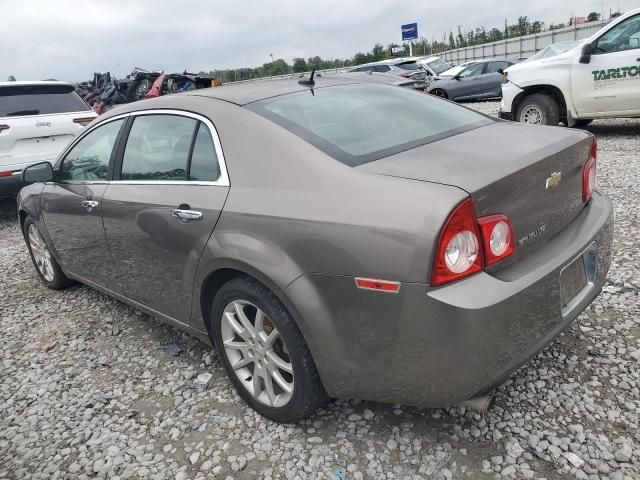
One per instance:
(505, 168)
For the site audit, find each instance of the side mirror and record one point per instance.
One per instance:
(40, 172)
(587, 50)
(456, 76)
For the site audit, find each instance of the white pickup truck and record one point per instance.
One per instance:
(37, 120)
(600, 78)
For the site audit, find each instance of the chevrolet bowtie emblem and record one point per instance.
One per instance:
(554, 180)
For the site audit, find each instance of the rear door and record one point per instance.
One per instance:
(170, 185)
(492, 79)
(38, 121)
(468, 83)
(72, 206)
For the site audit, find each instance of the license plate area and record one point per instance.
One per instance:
(577, 279)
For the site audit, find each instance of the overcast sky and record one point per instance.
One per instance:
(70, 39)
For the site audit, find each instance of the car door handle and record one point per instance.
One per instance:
(90, 205)
(186, 215)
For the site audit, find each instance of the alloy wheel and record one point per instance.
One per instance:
(41, 253)
(532, 114)
(257, 353)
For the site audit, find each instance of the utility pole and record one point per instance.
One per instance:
(271, 69)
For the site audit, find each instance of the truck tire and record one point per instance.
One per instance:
(538, 109)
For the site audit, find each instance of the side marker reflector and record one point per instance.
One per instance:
(378, 285)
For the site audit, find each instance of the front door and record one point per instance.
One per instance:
(72, 207)
(168, 191)
(610, 82)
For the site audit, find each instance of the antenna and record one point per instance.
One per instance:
(308, 81)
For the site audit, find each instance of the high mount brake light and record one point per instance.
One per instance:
(83, 121)
(589, 172)
(467, 244)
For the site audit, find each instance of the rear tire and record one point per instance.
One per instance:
(438, 92)
(538, 109)
(267, 359)
(46, 265)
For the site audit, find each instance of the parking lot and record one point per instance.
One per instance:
(92, 388)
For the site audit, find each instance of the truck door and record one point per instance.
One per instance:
(610, 83)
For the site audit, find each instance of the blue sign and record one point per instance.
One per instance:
(409, 31)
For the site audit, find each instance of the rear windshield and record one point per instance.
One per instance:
(408, 66)
(438, 66)
(356, 124)
(22, 100)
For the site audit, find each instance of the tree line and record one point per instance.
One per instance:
(422, 46)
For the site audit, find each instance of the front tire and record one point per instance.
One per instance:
(46, 265)
(264, 353)
(539, 109)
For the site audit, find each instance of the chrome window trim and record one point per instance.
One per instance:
(223, 181)
(70, 147)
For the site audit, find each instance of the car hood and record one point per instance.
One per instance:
(529, 65)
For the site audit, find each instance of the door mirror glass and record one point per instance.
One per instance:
(585, 56)
(40, 172)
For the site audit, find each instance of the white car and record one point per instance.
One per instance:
(600, 78)
(37, 120)
(433, 65)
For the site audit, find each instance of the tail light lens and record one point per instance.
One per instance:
(458, 254)
(497, 238)
(8, 173)
(589, 173)
(83, 121)
(467, 244)
(4, 127)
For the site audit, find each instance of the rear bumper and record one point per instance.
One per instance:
(12, 184)
(439, 347)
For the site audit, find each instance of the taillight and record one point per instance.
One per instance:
(8, 174)
(589, 173)
(497, 238)
(467, 244)
(4, 127)
(83, 121)
(458, 254)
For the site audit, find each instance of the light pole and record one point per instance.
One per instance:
(271, 54)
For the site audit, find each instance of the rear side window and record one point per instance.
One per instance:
(158, 148)
(494, 67)
(24, 100)
(356, 124)
(204, 161)
(381, 68)
(169, 148)
(88, 160)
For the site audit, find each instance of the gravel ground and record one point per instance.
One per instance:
(92, 388)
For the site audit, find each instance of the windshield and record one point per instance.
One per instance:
(356, 124)
(438, 65)
(553, 50)
(23, 100)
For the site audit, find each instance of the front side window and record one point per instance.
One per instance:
(89, 159)
(381, 68)
(624, 36)
(356, 124)
(158, 148)
(472, 71)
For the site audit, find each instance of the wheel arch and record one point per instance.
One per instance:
(545, 89)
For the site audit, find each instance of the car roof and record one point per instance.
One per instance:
(242, 93)
(35, 82)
